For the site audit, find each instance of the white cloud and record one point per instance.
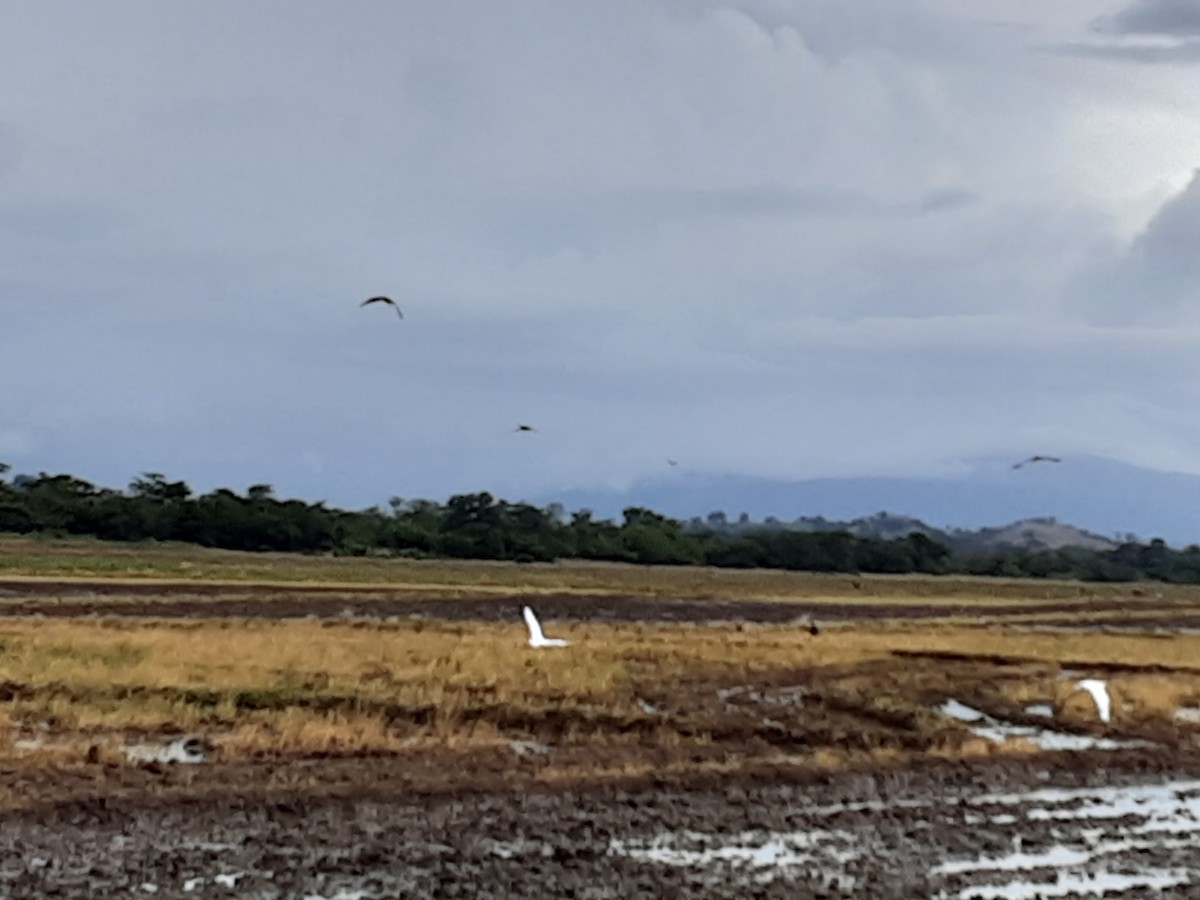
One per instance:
(1154, 279)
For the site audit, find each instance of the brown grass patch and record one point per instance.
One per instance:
(85, 559)
(282, 689)
(626, 699)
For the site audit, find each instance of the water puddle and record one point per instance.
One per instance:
(792, 695)
(1161, 806)
(957, 710)
(228, 881)
(1107, 854)
(763, 855)
(529, 748)
(1189, 715)
(186, 750)
(998, 731)
(1071, 884)
(1046, 739)
(1065, 842)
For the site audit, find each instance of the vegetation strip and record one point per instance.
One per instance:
(479, 526)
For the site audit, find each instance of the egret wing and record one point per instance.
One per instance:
(535, 627)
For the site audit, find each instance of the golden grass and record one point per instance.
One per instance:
(290, 688)
(625, 698)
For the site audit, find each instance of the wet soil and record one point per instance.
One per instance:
(1137, 623)
(888, 832)
(207, 600)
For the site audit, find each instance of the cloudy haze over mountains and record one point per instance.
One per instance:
(771, 239)
(1104, 497)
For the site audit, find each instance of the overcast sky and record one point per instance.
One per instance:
(785, 238)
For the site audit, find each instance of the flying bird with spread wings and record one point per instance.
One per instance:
(537, 637)
(388, 300)
(1037, 459)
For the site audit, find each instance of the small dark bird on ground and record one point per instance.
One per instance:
(1036, 459)
(524, 428)
(388, 300)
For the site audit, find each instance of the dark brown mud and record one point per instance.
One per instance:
(204, 600)
(918, 832)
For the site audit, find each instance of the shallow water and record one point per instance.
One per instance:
(1072, 884)
(186, 750)
(1188, 714)
(950, 832)
(999, 731)
(1124, 838)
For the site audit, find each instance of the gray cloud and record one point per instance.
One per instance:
(1178, 18)
(1156, 278)
(946, 199)
(1168, 245)
(606, 219)
(1148, 31)
(1184, 51)
(752, 233)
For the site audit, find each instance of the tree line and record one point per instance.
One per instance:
(479, 526)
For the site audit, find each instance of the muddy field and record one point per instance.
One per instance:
(48, 597)
(523, 818)
(1084, 826)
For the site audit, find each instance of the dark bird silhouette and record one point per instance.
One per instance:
(524, 428)
(1036, 459)
(388, 300)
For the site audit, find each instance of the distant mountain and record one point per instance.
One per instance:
(1045, 533)
(1103, 499)
(1030, 534)
(883, 525)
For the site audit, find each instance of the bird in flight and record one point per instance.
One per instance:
(1036, 459)
(537, 638)
(388, 300)
(524, 428)
(1099, 691)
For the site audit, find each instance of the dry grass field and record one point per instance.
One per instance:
(702, 693)
(88, 560)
